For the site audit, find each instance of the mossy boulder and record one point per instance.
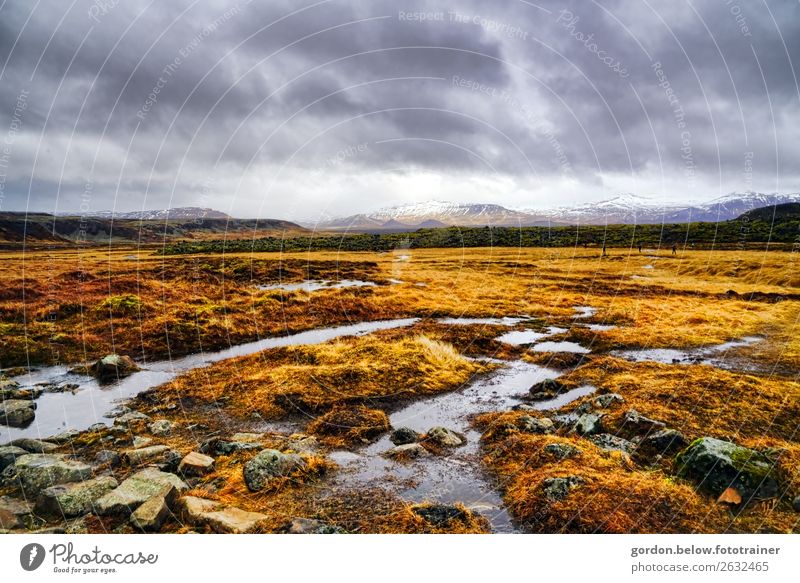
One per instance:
(716, 465)
(68, 500)
(17, 412)
(113, 367)
(268, 465)
(37, 471)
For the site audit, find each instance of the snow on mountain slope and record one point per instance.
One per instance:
(173, 214)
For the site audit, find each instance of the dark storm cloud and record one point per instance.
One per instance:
(246, 104)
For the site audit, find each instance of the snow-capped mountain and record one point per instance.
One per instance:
(174, 214)
(433, 214)
(633, 209)
(621, 209)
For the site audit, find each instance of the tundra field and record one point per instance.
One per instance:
(415, 390)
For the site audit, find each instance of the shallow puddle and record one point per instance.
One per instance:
(456, 476)
(316, 285)
(712, 355)
(573, 347)
(57, 412)
(584, 311)
(506, 321)
(524, 337)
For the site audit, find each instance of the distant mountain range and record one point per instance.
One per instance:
(622, 209)
(186, 213)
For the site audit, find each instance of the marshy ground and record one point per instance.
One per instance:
(476, 329)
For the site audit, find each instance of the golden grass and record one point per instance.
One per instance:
(697, 400)
(54, 305)
(310, 379)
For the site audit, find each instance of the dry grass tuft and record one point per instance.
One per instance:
(349, 425)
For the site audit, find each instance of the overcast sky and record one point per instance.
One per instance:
(293, 109)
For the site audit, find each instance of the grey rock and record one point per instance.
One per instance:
(9, 453)
(75, 499)
(559, 488)
(162, 427)
(796, 504)
(17, 413)
(561, 451)
(607, 400)
(37, 471)
(13, 513)
(404, 436)
(664, 442)
(589, 424)
(196, 464)
(107, 456)
(634, 423)
(612, 443)
(269, 464)
(34, 445)
(140, 442)
(218, 517)
(145, 455)
(150, 516)
(112, 367)
(64, 437)
(715, 465)
(298, 442)
(131, 417)
(138, 489)
(546, 389)
(220, 447)
(538, 425)
(444, 437)
(439, 514)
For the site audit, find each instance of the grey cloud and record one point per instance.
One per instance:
(249, 96)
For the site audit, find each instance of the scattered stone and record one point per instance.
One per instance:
(538, 425)
(559, 488)
(523, 407)
(796, 504)
(150, 516)
(13, 513)
(444, 437)
(269, 464)
(219, 447)
(561, 451)
(34, 445)
(589, 424)
(730, 496)
(310, 526)
(299, 442)
(107, 456)
(218, 517)
(715, 465)
(37, 471)
(612, 443)
(17, 413)
(97, 427)
(171, 461)
(439, 514)
(131, 417)
(634, 423)
(145, 455)
(607, 400)
(547, 389)
(407, 451)
(118, 411)
(65, 437)
(138, 489)
(162, 427)
(140, 442)
(196, 464)
(113, 367)
(404, 436)
(664, 442)
(8, 454)
(75, 499)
